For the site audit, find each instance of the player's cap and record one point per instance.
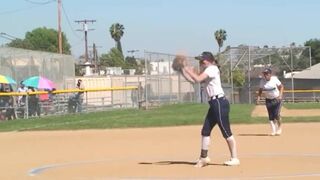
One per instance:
(205, 56)
(267, 71)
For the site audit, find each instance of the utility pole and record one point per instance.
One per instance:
(59, 27)
(95, 55)
(85, 29)
(132, 52)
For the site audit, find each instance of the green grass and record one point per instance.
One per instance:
(307, 105)
(168, 115)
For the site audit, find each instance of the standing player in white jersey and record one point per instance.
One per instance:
(218, 112)
(273, 91)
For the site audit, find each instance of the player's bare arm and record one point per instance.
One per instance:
(196, 77)
(187, 76)
(281, 88)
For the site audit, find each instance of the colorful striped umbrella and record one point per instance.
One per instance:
(39, 82)
(7, 80)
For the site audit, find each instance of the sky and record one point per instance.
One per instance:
(168, 26)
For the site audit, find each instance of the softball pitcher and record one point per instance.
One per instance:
(218, 112)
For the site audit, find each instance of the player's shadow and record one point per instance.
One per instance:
(253, 134)
(176, 162)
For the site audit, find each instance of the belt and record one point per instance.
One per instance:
(270, 99)
(216, 96)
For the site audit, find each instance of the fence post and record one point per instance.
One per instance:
(111, 91)
(125, 92)
(86, 100)
(27, 105)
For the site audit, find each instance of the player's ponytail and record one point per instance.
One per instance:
(215, 61)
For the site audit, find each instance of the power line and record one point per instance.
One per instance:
(40, 3)
(69, 23)
(16, 10)
(8, 36)
(24, 9)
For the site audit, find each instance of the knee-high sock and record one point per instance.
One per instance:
(205, 142)
(232, 146)
(278, 123)
(273, 126)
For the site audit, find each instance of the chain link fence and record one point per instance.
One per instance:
(242, 67)
(164, 85)
(15, 105)
(158, 85)
(20, 64)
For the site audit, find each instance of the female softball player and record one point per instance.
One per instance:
(273, 90)
(218, 112)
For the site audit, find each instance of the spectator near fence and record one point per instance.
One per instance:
(22, 99)
(7, 103)
(79, 95)
(44, 101)
(137, 95)
(33, 103)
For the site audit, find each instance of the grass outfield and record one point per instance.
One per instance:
(168, 115)
(307, 105)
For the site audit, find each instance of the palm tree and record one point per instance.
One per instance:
(116, 31)
(221, 36)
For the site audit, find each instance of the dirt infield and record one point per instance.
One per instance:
(160, 153)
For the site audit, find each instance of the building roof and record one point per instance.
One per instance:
(310, 73)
